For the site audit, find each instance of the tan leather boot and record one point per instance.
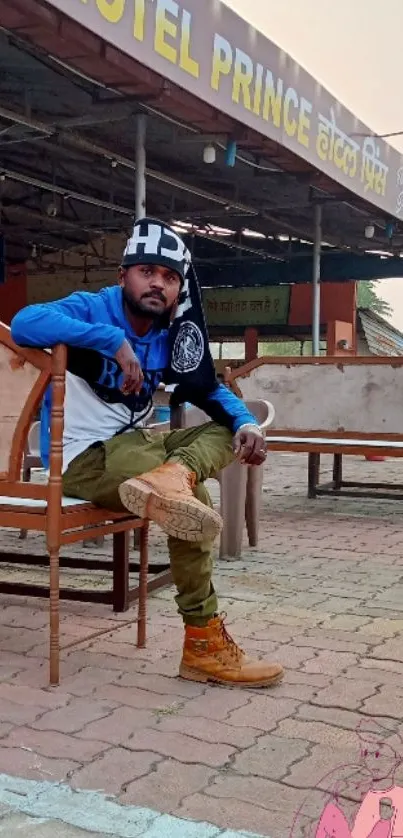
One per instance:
(165, 495)
(210, 654)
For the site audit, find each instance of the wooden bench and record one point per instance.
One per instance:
(24, 376)
(338, 406)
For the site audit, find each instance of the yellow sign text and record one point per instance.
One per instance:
(254, 88)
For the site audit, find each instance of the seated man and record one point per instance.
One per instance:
(123, 342)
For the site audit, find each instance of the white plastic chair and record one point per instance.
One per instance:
(240, 486)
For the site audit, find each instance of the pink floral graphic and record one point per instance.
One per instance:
(372, 781)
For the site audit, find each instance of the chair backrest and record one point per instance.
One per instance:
(357, 396)
(24, 376)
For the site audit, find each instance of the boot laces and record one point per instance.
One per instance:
(229, 643)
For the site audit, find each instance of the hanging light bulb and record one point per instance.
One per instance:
(369, 231)
(209, 154)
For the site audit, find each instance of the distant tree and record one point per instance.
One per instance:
(368, 297)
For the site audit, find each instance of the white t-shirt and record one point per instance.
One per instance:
(88, 419)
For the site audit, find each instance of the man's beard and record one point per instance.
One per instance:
(141, 309)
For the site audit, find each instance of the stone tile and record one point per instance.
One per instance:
(386, 703)
(379, 664)
(318, 732)
(79, 659)
(263, 712)
(47, 699)
(164, 788)
(330, 663)
(134, 697)
(272, 757)
(181, 747)
(261, 630)
(5, 729)
(18, 713)
(349, 622)
(336, 716)
(118, 726)
(381, 627)
(274, 797)
(208, 730)
(344, 693)
(217, 703)
(18, 641)
(317, 769)
(294, 657)
(88, 680)
(305, 679)
(163, 685)
(32, 766)
(335, 643)
(392, 649)
(114, 771)
(24, 616)
(54, 745)
(236, 814)
(75, 716)
(8, 673)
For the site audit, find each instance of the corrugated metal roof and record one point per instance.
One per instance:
(382, 338)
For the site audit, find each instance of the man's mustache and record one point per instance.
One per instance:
(155, 295)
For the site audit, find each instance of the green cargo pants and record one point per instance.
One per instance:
(96, 474)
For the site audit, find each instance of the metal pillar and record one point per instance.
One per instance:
(316, 281)
(140, 183)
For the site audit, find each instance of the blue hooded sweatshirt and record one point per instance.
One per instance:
(94, 327)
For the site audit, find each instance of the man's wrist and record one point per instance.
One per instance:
(249, 426)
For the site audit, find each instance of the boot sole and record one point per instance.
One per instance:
(180, 519)
(201, 677)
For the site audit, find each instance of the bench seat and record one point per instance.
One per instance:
(339, 442)
(34, 503)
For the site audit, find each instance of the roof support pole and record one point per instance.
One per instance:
(316, 280)
(140, 182)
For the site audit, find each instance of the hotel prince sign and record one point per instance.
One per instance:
(204, 47)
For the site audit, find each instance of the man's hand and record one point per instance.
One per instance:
(130, 364)
(249, 445)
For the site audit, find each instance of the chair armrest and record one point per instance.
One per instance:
(271, 414)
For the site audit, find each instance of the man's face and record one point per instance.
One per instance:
(150, 290)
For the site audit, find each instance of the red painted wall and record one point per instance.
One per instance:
(338, 302)
(13, 293)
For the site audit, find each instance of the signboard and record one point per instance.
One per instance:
(208, 50)
(247, 306)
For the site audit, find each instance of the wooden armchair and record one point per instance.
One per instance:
(24, 376)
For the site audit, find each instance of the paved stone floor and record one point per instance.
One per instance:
(323, 594)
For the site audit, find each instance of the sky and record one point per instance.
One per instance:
(352, 48)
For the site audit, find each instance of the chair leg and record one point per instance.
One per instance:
(136, 539)
(26, 478)
(233, 480)
(337, 471)
(120, 571)
(143, 579)
(54, 653)
(254, 503)
(313, 474)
